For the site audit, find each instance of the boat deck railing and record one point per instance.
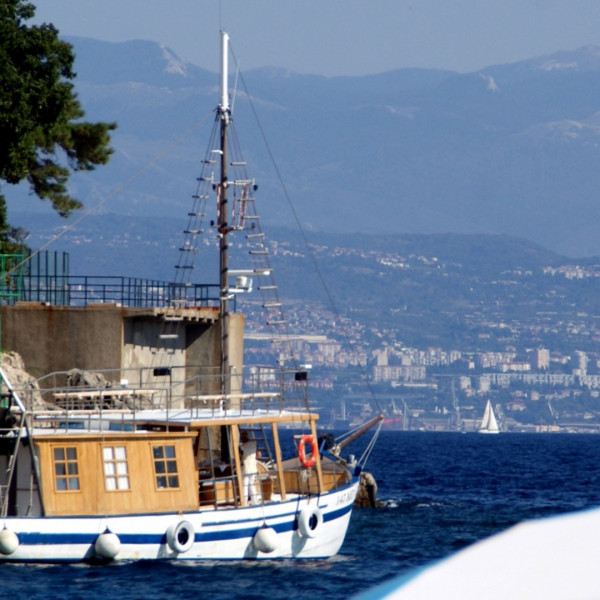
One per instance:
(69, 399)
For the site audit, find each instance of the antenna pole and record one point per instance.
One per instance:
(224, 106)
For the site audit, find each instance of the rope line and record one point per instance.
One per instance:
(310, 252)
(110, 196)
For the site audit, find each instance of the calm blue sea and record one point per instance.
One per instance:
(442, 492)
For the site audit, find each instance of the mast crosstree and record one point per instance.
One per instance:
(224, 174)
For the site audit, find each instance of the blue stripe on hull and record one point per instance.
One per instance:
(210, 531)
(246, 530)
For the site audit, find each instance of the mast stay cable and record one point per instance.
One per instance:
(310, 252)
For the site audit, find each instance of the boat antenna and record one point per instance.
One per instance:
(224, 105)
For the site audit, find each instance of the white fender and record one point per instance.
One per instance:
(107, 545)
(265, 539)
(310, 520)
(180, 536)
(9, 542)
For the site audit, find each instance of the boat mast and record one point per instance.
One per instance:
(223, 218)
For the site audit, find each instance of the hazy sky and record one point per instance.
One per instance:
(339, 37)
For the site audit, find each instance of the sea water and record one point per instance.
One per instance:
(441, 492)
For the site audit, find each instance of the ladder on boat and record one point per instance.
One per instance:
(10, 438)
(224, 172)
(244, 218)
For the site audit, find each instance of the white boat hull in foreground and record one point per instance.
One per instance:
(551, 558)
(297, 528)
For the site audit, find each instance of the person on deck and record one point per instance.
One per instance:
(249, 468)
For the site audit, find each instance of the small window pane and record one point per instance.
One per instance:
(115, 462)
(165, 467)
(65, 469)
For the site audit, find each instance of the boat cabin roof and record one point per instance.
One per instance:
(53, 422)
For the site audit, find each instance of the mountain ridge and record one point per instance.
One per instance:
(509, 149)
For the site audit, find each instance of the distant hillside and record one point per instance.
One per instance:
(473, 292)
(145, 246)
(509, 150)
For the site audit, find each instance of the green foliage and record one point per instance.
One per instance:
(42, 135)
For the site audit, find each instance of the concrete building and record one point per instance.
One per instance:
(540, 359)
(133, 345)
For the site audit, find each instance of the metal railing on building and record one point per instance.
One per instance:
(76, 290)
(45, 278)
(12, 269)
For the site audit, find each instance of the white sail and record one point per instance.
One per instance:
(489, 423)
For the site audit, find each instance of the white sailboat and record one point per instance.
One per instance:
(489, 424)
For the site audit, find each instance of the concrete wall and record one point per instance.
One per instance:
(144, 350)
(56, 338)
(100, 337)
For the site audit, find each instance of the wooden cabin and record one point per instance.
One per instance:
(130, 467)
(111, 474)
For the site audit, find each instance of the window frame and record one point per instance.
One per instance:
(70, 467)
(115, 461)
(166, 464)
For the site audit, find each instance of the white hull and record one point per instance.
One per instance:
(224, 534)
(551, 558)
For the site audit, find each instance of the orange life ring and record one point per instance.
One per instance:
(312, 461)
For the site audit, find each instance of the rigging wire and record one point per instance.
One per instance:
(276, 321)
(362, 461)
(111, 195)
(299, 225)
(234, 95)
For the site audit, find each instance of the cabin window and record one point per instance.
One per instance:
(66, 471)
(116, 473)
(165, 467)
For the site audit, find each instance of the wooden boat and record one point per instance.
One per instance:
(196, 471)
